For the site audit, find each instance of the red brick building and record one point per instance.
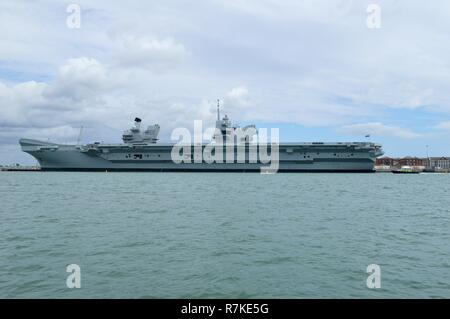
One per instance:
(386, 161)
(398, 162)
(411, 161)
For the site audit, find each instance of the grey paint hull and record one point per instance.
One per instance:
(293, 157)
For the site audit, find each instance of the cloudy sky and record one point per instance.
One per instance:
(313, 68)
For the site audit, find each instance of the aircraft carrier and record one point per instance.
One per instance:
(140, 151)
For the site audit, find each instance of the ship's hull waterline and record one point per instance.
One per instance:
(293, 157)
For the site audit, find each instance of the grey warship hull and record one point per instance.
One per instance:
(293, 157)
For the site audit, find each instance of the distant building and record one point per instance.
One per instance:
(439, 162)
(386, 161)
(432, 163)
(390, 162)
(411, 161)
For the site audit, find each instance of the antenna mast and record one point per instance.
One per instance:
(218, 112)
(79, 135)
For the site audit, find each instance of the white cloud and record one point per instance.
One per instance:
(80, 86)
(17, 102)
(155, 54)
(237, 102)
(378, 129)
(79, 79)
(443, 125)
(238, 96)
(86, 92)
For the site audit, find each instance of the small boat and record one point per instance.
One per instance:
(406, 170)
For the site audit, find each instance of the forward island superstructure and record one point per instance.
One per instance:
(140, 151)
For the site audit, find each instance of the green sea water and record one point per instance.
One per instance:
(224, 235)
